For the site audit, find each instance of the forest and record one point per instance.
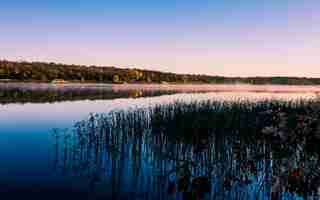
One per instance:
(47, 72)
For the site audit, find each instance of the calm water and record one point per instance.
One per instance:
(33, 161)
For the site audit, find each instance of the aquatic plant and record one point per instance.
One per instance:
(225, 147)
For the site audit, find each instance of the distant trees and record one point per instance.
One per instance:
(46, 72)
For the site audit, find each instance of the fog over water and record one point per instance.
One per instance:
(30, 113)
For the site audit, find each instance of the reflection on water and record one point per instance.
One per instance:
(144, 154)
(41, 93)
(118, 155)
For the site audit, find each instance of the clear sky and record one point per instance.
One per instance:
(217, 37)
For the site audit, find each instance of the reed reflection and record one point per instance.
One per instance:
(200, 150)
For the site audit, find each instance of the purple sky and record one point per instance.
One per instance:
(221, 37)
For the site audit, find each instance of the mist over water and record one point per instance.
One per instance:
(67, 140)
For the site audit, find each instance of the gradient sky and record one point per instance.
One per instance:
(217, 37)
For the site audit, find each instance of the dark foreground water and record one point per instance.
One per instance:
(54, 146)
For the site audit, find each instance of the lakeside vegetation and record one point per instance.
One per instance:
(48, 72)
(227, 150)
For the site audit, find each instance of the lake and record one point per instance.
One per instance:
(75, 141)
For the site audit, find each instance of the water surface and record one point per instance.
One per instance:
(30, 114)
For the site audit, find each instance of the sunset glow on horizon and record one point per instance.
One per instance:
(222, 37)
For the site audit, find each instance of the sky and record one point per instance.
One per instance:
(215, 37)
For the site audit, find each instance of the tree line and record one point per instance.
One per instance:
(47, 72)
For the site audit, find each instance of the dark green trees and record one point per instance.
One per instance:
(46, 72)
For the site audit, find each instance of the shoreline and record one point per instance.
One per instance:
(151, 83)
(186, 87)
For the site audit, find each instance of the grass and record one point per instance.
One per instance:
(209, 138)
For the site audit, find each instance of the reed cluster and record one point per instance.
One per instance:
(271, 145)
